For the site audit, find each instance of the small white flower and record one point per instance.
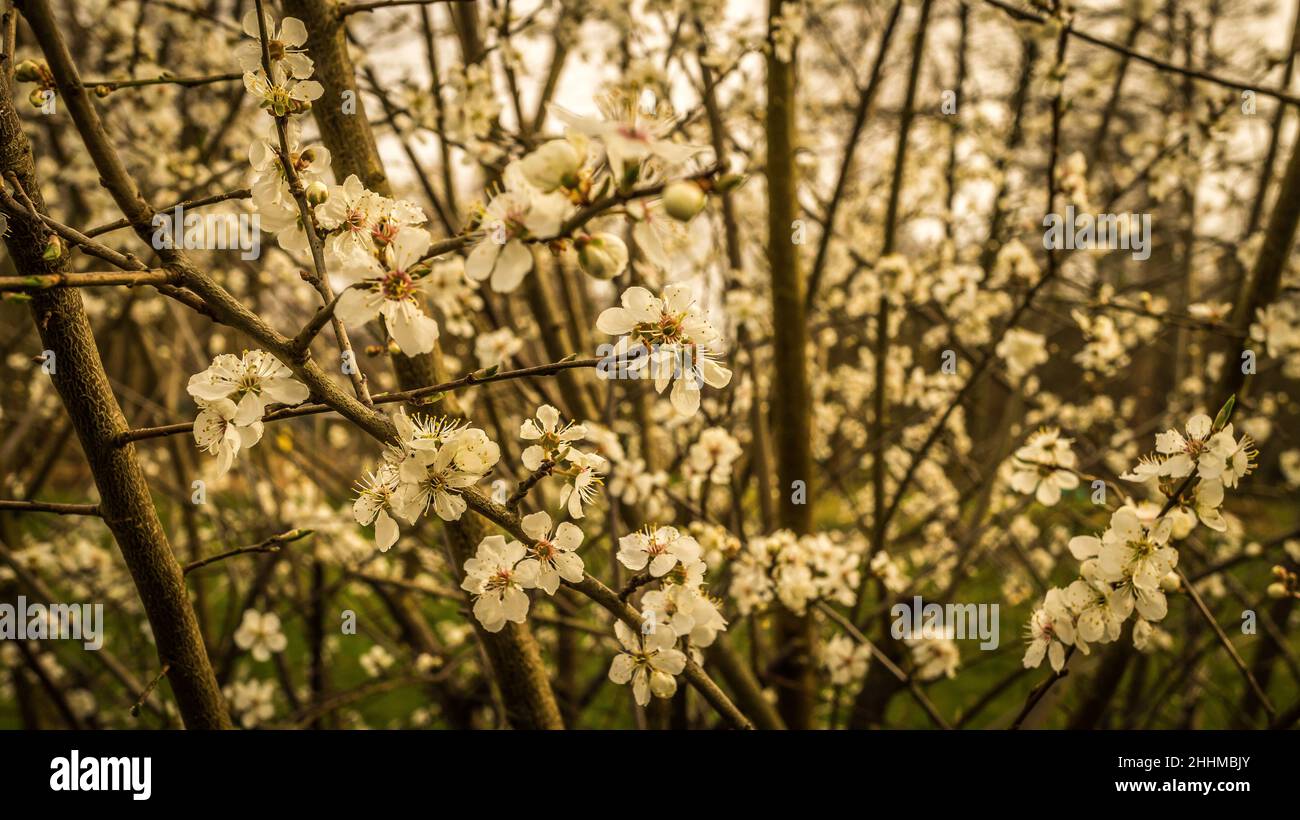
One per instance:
(376, 660)
(1051, 629)
(350, 214)
(389, 290)
(660, 549)
(585, 472)
(495, 348)
(260, 634)
(1185, 453)
(252, 700)
(1044, 467)
(1099, 610)
(554, 165)
(216, 432)
(648, 661)
(844, 659)
(282, 95)
(631, 133)
(517, 214)
(1022, 350)
(374, 502)
(553, 439)
(676, 337)
(252, 382)
(552, 557)
(497, 577)
(284, 47)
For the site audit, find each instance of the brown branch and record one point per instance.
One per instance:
(542, 471)
(50, 507)
(272, 544)
(139, 434)
(148, 690)
(185, 204)
(1227, 644)
(346, 9)
(46, 281)
(101, 87)
(1155, 62)
(1040, 691)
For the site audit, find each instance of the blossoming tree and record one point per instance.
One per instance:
(673, 344)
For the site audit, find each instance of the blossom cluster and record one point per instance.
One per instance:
(373, 245)
(668, 338)
(500, 573)
(679, 608)
(1130, 567)
(553, 445)
(233, 395)
(432, 462)
(794, 570)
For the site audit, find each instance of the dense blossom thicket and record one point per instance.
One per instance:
(678, 344)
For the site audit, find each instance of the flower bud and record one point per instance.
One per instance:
(1277, 590)
(39, 97)
(53, 249)
(28, 71)
(554, 165)
(728, 182)
(683, 200)
(317, 192)
(602, 255)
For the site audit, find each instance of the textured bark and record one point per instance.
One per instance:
(348, 136)
(126, 504)
(1266, 276)
(795, 671)
(513, 652)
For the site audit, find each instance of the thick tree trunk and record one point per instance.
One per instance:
(127, 507)
(1266, 275)
(513, 652)
(791, 404)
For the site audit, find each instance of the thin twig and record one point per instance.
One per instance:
(148, 690)
(272, 544)
(50, 507)
(139, 434)
(542, 471)
(903, 678)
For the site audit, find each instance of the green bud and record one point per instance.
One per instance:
(1225, 413)
(683, 200)
(601, 255)
(28, 71)
(53, 249)
(317, 192)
